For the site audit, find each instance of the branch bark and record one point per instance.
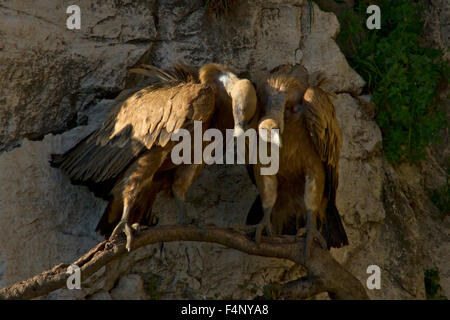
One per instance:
(324, 273)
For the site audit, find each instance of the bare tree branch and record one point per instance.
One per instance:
(324, 273)
(302, 288)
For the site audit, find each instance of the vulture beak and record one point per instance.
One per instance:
(238, 130)
(243, 96)
(269, 132)
(275, 138)
(272, 125)
(239, 120)
(241, 117)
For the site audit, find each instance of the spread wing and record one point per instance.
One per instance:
(326, 135)
(145, 120)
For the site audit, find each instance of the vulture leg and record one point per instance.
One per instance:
(184, 177)
(268, 190)
(124, 227)
(312, 233)
(313, 192)
(137, 177)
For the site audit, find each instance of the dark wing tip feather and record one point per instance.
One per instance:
(90, 162)
(186, 73)
(334, 230)
(179, 73)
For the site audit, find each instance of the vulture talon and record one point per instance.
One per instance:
(311, 234)
(301, 232)
(318, 236)
(124, 227)
(136, 227)
(262, 226)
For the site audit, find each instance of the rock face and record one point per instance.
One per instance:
(53, 80)
(437, 25)
(49, 73)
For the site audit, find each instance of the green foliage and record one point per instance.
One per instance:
(432, 286)
(272, 291)
(401, 75)
(151, 286)
(310, 13)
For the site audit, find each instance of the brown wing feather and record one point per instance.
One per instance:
(322, 124)
(326, 135)
(146, 119)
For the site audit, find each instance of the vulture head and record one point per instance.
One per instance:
(239, 92)
(282, 94)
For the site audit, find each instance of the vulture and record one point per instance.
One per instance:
(127, 160)
(301, 196)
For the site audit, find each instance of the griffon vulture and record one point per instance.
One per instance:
(127, 160)
(304, 189)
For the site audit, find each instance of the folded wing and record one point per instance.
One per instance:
(320, 116)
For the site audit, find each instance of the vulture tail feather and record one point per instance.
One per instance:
(333, 229)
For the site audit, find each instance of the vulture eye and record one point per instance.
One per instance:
(297, 108)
